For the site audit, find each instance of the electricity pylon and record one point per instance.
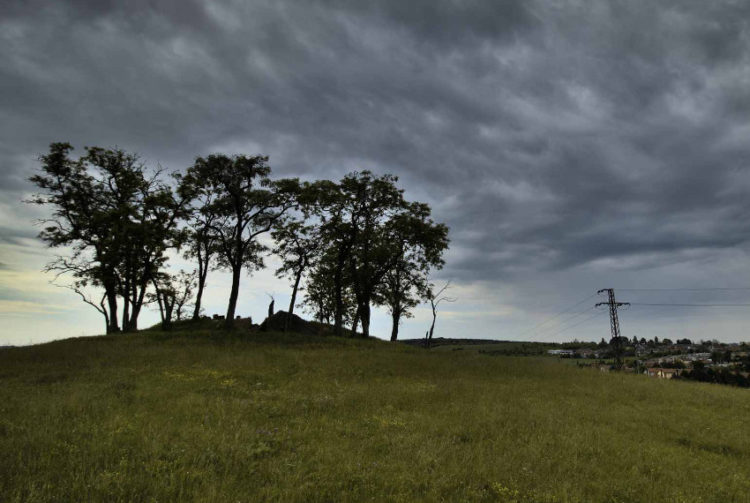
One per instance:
(614, 323)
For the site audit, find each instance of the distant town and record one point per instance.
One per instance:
(707, 361)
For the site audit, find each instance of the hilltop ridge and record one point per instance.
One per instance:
(209, 415)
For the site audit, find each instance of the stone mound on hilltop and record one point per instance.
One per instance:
(275, 323)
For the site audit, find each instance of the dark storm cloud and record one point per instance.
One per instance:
(16, 236)
(546, 134)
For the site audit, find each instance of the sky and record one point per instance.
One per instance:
(570, 146)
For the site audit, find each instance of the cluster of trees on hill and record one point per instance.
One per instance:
(354, 243)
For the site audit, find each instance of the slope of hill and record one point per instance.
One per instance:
(202, 416)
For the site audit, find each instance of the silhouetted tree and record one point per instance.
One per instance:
(172, 294)
(320, 288)
(147, 234)
(319, 295)
(82, 220)
(184, 286)
(298, 245)
(369, 232)
(202, 243)
(245, 203)
(339, 217)
(117, 218)
(378, 202)
(353, 215)
(416, 244)
(436, 297)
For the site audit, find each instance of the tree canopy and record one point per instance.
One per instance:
(243, 203)
(349, 244)
(118, 218)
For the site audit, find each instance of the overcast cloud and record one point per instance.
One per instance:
(569, 145)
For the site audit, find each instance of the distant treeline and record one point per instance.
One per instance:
(349, 244)
(502, 347)
(718, 375)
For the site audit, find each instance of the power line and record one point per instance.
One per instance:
(532, 329)
(563, 321)
(561, 325)
(688, 305)
(680, 313)
(599, 313)
(681, 289)
(579, 323)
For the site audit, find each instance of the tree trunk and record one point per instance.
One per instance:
(365, 316)
(396, 317)
(432, 327)
(126, 308)
(161, 306)
(106, 317)
(137, 303)
(133, 323)
(128, 302)
(323, 318)
(112, 326)
(338, 287)
(355, 323)
(236, 273)
(202, 274)
(166, 324)
(294, 299)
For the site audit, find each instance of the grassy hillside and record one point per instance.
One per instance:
(205, 417)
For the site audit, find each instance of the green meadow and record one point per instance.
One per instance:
(203, 416)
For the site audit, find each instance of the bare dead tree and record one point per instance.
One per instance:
(436, 297)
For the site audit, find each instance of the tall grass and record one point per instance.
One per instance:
(207, 417)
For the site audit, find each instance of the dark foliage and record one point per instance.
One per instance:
(351, 244)
(718, 375)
